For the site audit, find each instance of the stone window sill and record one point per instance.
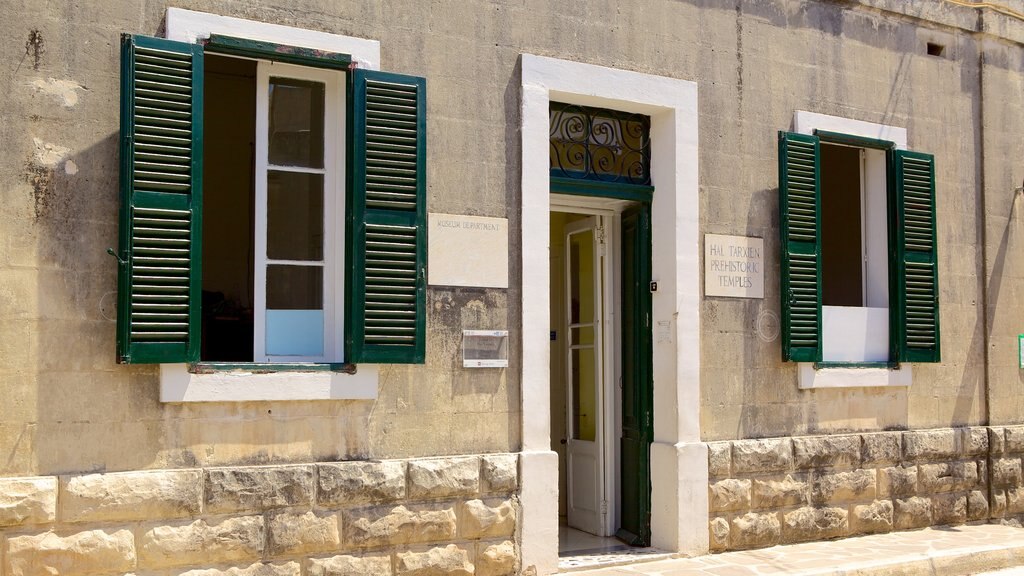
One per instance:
(257, 382)
(853, 376)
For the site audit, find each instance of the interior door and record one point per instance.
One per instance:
(637, 388)
(584, 311)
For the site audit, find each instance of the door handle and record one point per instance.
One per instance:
(562, 441)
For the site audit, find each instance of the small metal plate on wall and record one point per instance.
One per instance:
(485, 348)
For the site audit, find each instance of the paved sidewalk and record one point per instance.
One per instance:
(940, 551)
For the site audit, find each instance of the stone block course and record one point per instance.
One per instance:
(881, 448)
(930, 444)
(493, 519)
(807, 523)
(444, 477)
(872, 518)
(257, 569)
(754, 530)
(369, 565)
(949, 508)
(345, 483)
(787, 491)
(830, 487)
(303, 533)
(1006, 472)
(70, 554)
(730, 494)
(974, 441)
(1014, 436)
(243, 489)
(719, 459)
(719, 533)
(202, 542)
(897, 481)
(977, 505)
(31, 500)
(127, 496)
(764, 455)
(913, 512)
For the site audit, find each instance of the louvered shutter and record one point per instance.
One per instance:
(799, 209)
(387, 242)
(161, 201)
(917, 271)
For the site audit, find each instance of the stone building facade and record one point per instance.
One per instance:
(430, 465)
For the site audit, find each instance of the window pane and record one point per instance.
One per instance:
(581, 277)
(296, 135)
(584, 394)
(295, 216)
(295, 287)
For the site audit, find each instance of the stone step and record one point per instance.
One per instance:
(937, 551)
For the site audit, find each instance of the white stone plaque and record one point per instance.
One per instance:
(467, 251)
(733, 266)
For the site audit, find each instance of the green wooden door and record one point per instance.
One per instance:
(637, 388)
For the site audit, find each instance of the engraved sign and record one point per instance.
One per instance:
(467, 251)
(733, 266)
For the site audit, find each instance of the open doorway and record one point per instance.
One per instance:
(600, 371)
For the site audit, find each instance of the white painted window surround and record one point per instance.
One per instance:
(177, 383)
(852, 334)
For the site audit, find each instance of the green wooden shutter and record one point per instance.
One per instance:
(386, 233)
(916, 326)
(161, 201)
(800, 209)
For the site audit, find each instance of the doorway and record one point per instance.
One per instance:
(600, 365)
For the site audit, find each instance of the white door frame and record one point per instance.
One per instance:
(679, 478)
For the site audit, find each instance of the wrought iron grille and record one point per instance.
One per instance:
(598, 144)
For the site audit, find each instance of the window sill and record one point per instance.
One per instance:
(216, 382)
(856, 375)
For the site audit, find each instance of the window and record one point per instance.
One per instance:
(859, 267)
(248, 232)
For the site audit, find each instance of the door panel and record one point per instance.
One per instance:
(585, 460)
(637, 431)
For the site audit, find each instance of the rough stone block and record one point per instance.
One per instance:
(369, 565)
(754, 530)
(346, 483)
(779, 493)
(804, 524)
(248, 489)
(897, 481)
(913, 512)
(305, 533)
(30, 500)
(88, 552)
(974, 440)
(500, 473)
(934, 478)
(1014, 439)
(880, 449)
(830, 451)
(386, 525)
(977, 505)
(497, 559)
(997, 506)
(448, 561)
(444, 477)
(257, 569)
(126, 496)
(949, 508)
(496, 519)
(730, 494)
(763, 455)
(718, 530)
(832, 487)
(1014, 501)
(719, 459)
(929, 444)
(996, 441)
(202, 542)
(872, 518)
(1006, 472)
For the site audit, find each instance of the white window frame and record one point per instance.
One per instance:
(333, 262)
(839, 323)
(177, 383)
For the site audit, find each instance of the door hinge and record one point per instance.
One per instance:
(599, 233)
(604, 506)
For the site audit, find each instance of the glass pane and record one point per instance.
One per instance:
(295, 333)
(296, 133)
(584, 395)
(295, 287)
(295, 216)
(581, 277)
(582, 335)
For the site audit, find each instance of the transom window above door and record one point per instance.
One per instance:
(600, 145)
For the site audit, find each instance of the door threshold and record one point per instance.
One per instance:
(578, 550)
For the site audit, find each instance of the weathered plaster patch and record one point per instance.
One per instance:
(66, 90)
(46, 154)
(70, 168)
(39, 172)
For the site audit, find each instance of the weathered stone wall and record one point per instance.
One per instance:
(438, 516)
(781, 490)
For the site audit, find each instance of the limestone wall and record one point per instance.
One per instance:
(445, 515)
(782, 490)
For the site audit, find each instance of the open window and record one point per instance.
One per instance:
(273, 206)
(859, 266)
